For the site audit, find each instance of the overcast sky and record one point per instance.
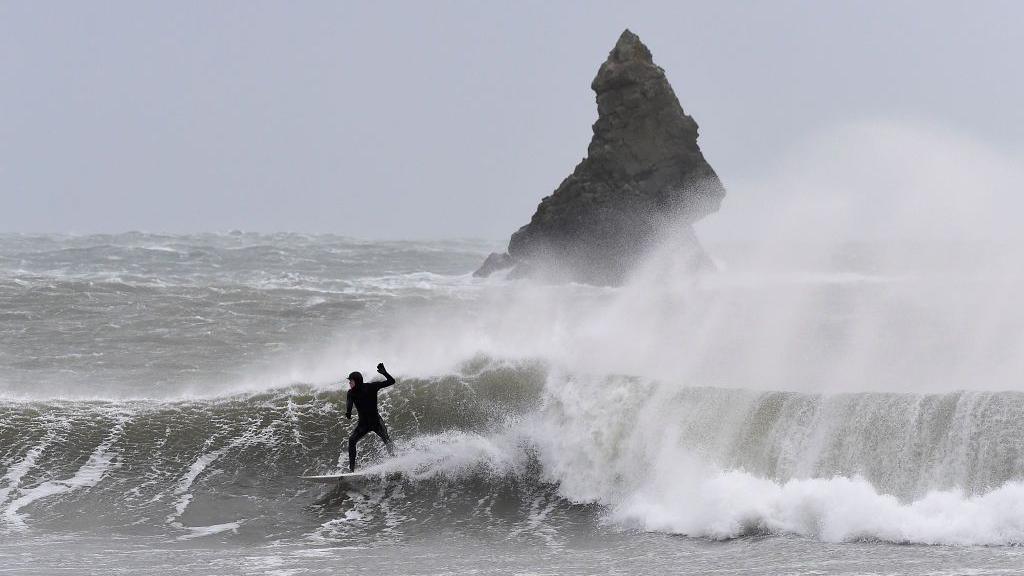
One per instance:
(443, 119)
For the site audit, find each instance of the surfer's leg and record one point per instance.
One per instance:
(353, 439)
(382, 431)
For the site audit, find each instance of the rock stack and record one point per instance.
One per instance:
(643, 174)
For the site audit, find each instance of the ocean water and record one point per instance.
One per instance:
(160, 395)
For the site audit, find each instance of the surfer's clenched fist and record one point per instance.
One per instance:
(381, 369)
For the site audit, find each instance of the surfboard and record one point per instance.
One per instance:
(332, 478)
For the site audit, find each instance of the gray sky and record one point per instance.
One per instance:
(442, 119)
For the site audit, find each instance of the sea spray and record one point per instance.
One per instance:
(936, 469)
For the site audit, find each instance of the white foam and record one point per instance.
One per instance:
(88, 475)
(654, 457)
(451, 455)
(682, 494)
(730, 504)
(15, 473)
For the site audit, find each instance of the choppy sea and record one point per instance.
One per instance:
(160, 395)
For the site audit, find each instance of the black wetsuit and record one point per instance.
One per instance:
(364, 397)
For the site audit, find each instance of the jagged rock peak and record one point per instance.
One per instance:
(629, 47)
(629, 62)
(643, 171)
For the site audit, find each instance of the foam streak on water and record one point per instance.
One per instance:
(100, 461)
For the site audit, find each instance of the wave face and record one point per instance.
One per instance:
(175, 386)
(501, 447)
(188, 467)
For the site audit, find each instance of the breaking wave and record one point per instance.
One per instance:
(535, 443)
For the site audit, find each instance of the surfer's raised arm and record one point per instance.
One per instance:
(383, 372)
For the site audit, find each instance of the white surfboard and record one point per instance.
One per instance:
(332, 478)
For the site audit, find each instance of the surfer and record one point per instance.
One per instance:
(363, 395)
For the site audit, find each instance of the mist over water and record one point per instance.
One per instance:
(852, 373)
